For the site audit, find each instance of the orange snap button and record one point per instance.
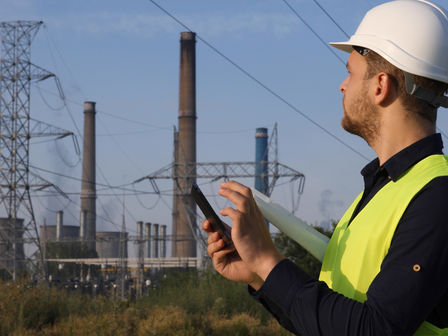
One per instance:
(416, 268)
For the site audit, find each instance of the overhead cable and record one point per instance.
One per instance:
(272, 92)
(331, 18)
(314, 32)
(108, 186)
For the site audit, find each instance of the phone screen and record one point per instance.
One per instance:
(217, 224)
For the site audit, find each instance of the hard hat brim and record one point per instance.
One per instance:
(344, 46)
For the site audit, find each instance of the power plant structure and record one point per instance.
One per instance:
(184, 207)
(88, 184)
(59, 232)
(184, 170)
(261, 160)
(110, 248)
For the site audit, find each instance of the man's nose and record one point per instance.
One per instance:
(343, 85)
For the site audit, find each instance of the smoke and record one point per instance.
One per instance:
(60, 159)
(107, 215)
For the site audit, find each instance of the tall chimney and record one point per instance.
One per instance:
(88, 186)
(82, 225)
(261, 160)
(155, 239)
(148, 240)
(163, 241)
(59, 225)
(184, 242)
(176, 199)
(140, 242)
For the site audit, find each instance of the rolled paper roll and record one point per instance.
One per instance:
(309, 238)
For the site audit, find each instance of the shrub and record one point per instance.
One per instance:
(184, 303)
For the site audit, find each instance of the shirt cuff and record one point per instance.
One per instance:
(283, 284)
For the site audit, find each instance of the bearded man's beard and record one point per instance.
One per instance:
(361, 118)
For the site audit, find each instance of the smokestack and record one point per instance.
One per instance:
(155, 237)
(88, 186)
(82, 225)
(140, 232)
(184, 242)
(163, 241)
(140, 241)
(176, 199)
(59, 225)
(261, 160)
(148, 240)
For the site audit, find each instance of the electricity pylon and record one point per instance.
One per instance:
(223, 170)
(16, 129)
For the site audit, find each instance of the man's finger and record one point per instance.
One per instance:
(207, 227)
(213, 237)
(233, 214)
(219, 246)
(215, 246)
(238, 187)
(233, 196)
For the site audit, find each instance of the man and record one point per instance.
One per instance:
(385, 271)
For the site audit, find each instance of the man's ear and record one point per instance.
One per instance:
(384, 89)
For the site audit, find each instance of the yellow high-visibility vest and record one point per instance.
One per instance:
(355, 252)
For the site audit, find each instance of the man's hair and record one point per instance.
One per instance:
(377, 64)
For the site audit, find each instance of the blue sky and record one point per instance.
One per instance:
(124, 55)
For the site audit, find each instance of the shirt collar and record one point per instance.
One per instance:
(406, 158)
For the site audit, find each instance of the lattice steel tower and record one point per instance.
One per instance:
(16, 74)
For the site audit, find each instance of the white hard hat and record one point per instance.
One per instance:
(410, 34)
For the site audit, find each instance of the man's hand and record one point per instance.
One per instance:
(249, 231)
(226, 260)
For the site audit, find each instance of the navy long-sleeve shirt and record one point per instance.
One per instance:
(399, 299)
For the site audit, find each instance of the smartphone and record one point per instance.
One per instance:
(217, 224)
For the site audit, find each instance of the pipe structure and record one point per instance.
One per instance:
(88, 184)
(163, 241)
(148, 240)
(59, 225)
(184, 238)
(140, 231)
(140, 241)
(155, 238)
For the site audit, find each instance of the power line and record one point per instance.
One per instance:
(109, 187)
(99, 216)
(314, 32)
(120, 147)
(331, 18)
(135, 121)
(272, 92)
(76, 193)
(142, 123)
(347, 36)
(51, 41)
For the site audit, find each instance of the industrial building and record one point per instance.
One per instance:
(82, 244)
